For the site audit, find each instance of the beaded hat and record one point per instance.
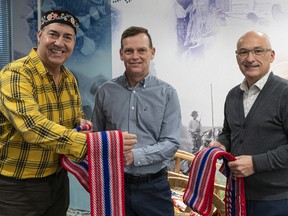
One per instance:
(60, 16)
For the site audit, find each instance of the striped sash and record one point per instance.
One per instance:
(102, 173)
(199, 191)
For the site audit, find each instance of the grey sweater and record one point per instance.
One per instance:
(262, 134)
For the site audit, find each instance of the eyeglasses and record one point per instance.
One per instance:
(255, 51)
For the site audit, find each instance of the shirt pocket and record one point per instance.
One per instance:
(151, 117)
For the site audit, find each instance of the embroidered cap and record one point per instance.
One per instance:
(60, 16)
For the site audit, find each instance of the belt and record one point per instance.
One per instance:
(132, 179)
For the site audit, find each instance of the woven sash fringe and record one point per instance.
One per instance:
(199, 191)
(102, 173)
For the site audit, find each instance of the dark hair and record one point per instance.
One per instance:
(134, 30)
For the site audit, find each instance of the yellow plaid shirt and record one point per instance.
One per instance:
(37, 119)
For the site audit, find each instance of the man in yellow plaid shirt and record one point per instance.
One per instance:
(40, 105)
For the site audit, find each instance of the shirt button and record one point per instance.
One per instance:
(134, 91)
(132, 108)
(139, 163)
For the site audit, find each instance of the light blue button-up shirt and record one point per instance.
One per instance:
(150, 110)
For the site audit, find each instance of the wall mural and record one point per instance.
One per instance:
(195, 42)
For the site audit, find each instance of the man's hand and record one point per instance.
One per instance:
(82, 122)
(217, 144)
(129, 140)
(128, 158)
(242, 167)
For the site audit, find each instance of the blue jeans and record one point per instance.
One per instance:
(150, 198)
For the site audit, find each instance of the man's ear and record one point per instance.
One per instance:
(39, 34)
(153, 51)
(121, 54)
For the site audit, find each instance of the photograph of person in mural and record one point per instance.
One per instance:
(195, 130)
(255, 128)
(182, 8)
(140, 103)
(196, 22)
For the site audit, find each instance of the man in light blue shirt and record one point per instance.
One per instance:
(144, 105)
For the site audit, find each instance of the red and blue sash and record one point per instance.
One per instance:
(102, 173)
(199, 191)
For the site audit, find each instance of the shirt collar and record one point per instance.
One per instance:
(259, 84)
(149, 77)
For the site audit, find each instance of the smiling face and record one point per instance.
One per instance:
(136, 54)
(254, 66)
(56, 42)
